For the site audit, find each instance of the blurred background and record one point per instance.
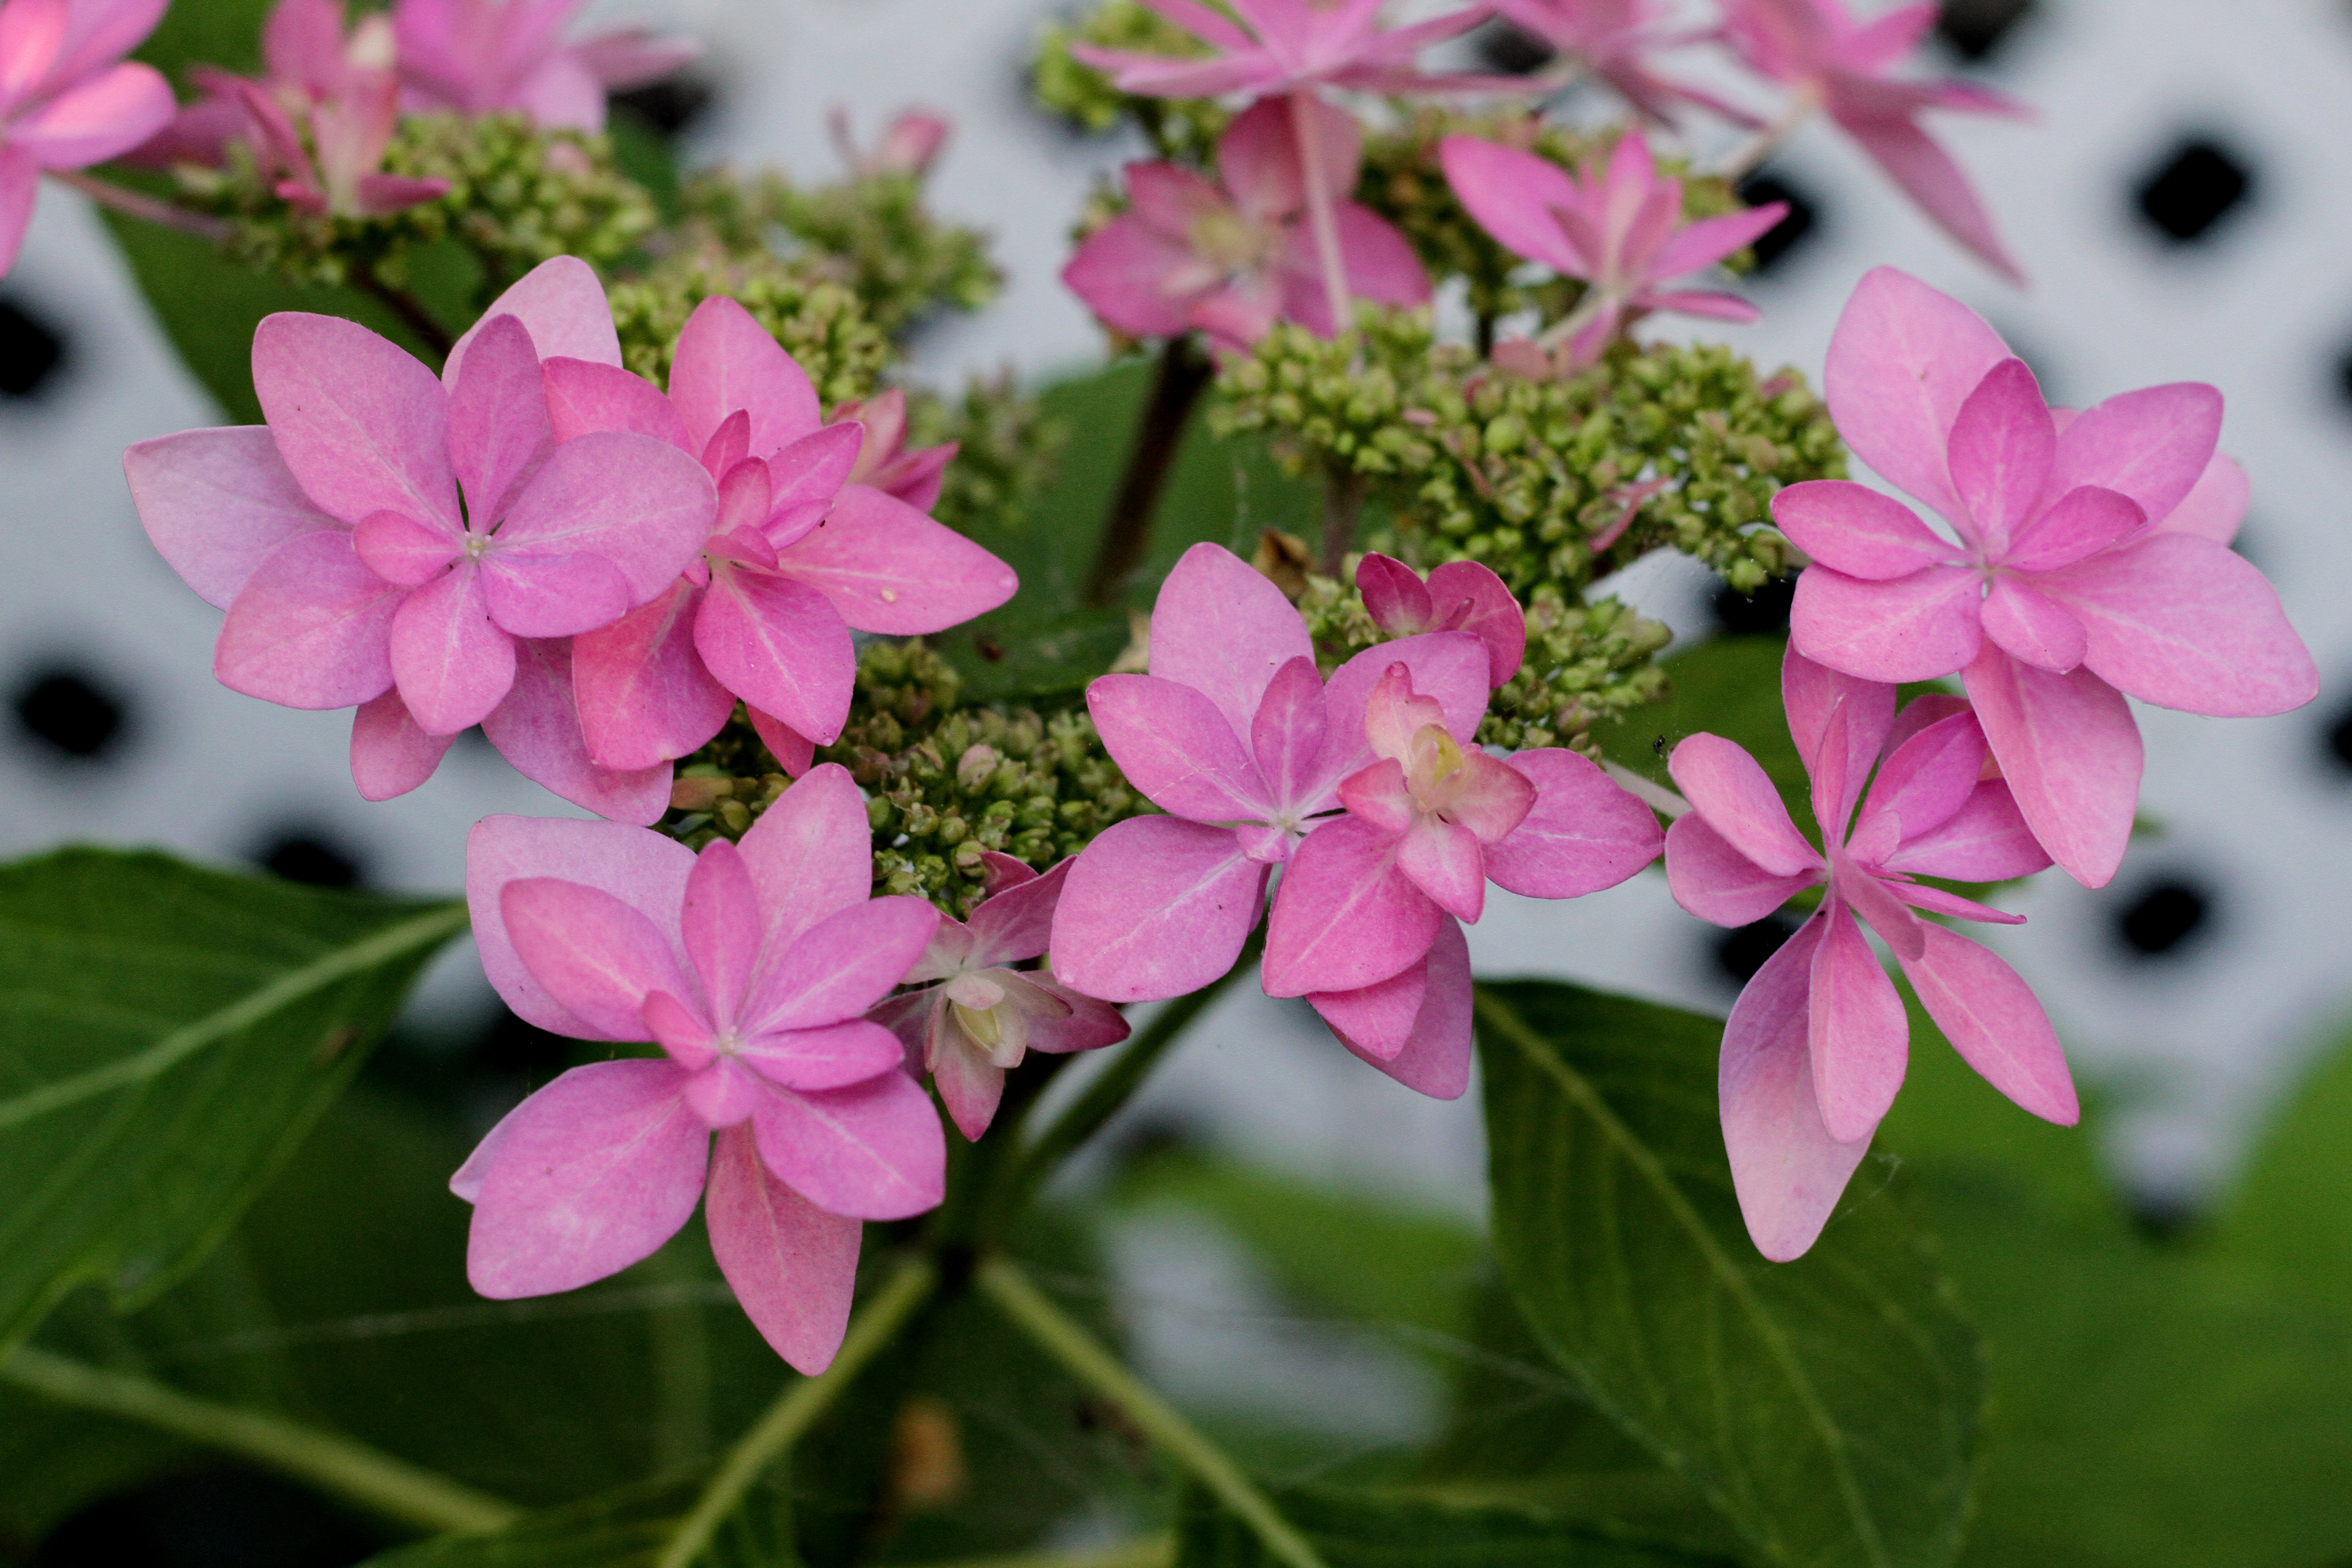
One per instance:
(2179, 204)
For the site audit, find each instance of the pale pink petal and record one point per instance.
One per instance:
(561, 305)
(404, 551)
(1444, 861)
(2034, 627)
(216, 502)
(309, 627)
(874, 1150)
(1709, 240)
(1857, 1034)
(452, 663)
(537, 728)
(1903, 360)
(793, 752)
(644, 695)
(1155, 907)
(1377, 1020)
(812, 855)
(363, 427)
(640, 503)
(842, 966)
(583, 396)
(1731, 790)
(597, 957)
(720, 927)
(1017, 923)
(1786, 1169)
(2086, 521)
(780, 645)
(631, 57)
(1914, 161)
(391, 753)
(498, 429)
(1346, 914)
(1986, 840)
(971, 1086)
(793, 1265)
(1513, 196)
(1995, 1022)
(647, 871)
(1698, 302)
(592, 1172)
(564, 94)
(1288, 734)
(1487, 797)
(97, 31)
(99, 119)
(2186, 623)
(1467, 596)
(1919, 627)
(1222, 628)
(1170, 198)
(1132, 275)
(1149, 76)
(1259, 161)
(815, 468)
(20, 182)
(1450, 667)
(553, 595)
(1177, 749)
(2071, 755)
(1091, 1025)
(1813, 694)
(727, 362)
(1936, 901)
(831, 1056)
(2152, 445)
(1582, 834)
(1380, 795)
(1434, 1059)
(2002, 448)
(2215, 507)
(1929, 777)
(1716, 882)
(889, 569)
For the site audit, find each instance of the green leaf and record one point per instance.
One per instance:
(167, 1034)
(2291, 1211)
(624, 1530)
(1727, 686)
(1403, 1528)
(1830, 1408)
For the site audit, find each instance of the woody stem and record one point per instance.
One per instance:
(411, 311)
(1183, 375)
(1322, 214)
(1343, 504)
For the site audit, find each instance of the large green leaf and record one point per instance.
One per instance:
(1727, 686)
(2291, 1211)
(1405, 1528)
(167, 1034)
(1830, 1408)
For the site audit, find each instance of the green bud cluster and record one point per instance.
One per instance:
(1007, 445)
(872, 234)
(820, 323)
(1183, 130)
(517, 195)
(944, 784)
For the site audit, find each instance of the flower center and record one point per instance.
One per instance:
(1228, 240)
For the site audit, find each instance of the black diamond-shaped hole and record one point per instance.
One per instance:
(1507, 50)
(2196, 186)
(2164, 918)
(71, 712)
(671, 104)
(511, 1045)
(307, 856)
(215, 1519)
(1741, 952)
(2337, 741)
(31, 350)
(1763, 613)
(1975, 29)
(1773, 247)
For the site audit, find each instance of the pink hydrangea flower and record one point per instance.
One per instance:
(67, 100)
(751, 967)
(1612, 39)
(974, 1016)
(1280, 46)
(1232, 261)
(478, 57)
(1840, 63)
(909, 144)
(883, 459)
(1816, 1047)
(1620, 228)
(420, 548)
(796, 557)
(1459, 596)
(2089, 559)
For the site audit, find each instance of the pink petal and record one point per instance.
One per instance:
(452, 663)
(309, 627)
(1346, 914)
(1155, 907)
(811, 853)
(1936, 901)
(404, 551)
(842, 966)
(1716, 882)
(1472, 599)
(564, 94)
(1903, 360)
(1380, 263)
(216, 502)
(1375, 1021)
(597, 957)
(1434, 1059)
(2071, 755)
(1444, 861)
(1914, 159)
(1995, 1022)
(687, 1034)
(640, 503)
(874, 1150)
(97, 31)
(592, 1172)
(1709, 240)
(561, 305)
(1857, 1034)
(1018, 923)
(1394, 595)
(1380, 795)
(537, 728)
(793, 1265)
(2153, 445)
(1513, 196)
(1451, 666)
(1699, 303)
(362, 426)
(1731, 790)
(1092, 1023)
(831, 1056)
(1929, 777)
(2034, 627)
(2085, 520)
(391, 754)
(720, 927)
(1813, 694)
(1919, 627)
(20, 182)
(889, 569)
(1123, 271)
(1786, 1169)
(101, 118)
(1582, 834)
(644, 694)
(1487, 797)
(971, 1086)
(1986, 840)
(1930, 708)
(2002, 448)
(1221, 628)
(793, 752)
(553, 595)
(1288, 734)
(2186, 623)
(1881, 906)
(498, 429)
(583, 396)
(1177, 749)
(726, 361)
(780, 645)
(2213, 509)
(816, 467)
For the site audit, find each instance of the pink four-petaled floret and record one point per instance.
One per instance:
(67, 99)
(478, 57)
(1279, 46)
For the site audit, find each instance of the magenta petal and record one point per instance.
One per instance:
(1919, 627)
(1018, 922)
(640, 503)
(1376, 1020)
(597, 957)
(841, 966)
(889, 569)
(452, 662)
(2002, 448)
(1288, 734)
(1716, 882)
(1986, 840)
(1582, 835)
(1928, 174)
(1514, 194)
(793, 752)
(1346, 914)
(309, 627)
(216, 502)
(585, 397)
(2183, 622)
(592, 1172)
(1732, 791)
(1903, 360)
(2070, 753)
(1092, 1023)
(811, 854)
(1858, 1036)
(831, 1056)
(874, 1150)
(727, 362)
(644, 694)
(1852, 528)
(1471, 598)
(1380, 262)
(1221, 628)
(2152, 445)
(1930, 776)
(793, 1265)
(1996, 1023)
(1443, 861)
(1936, 901)
(390, 754)
(1394, 595)
(1786, 1169)
(553, 595)
(780, 645)
(498, 429)
(1155, 907)
(816, 467)
(363, 427)
(1436, 1057)
(561, 305)
(537, 728)
(1176, 747)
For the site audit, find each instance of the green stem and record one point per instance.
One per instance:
(352, 1471)
(1145, 1552)
(799, 1408)
(1067, 1342)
